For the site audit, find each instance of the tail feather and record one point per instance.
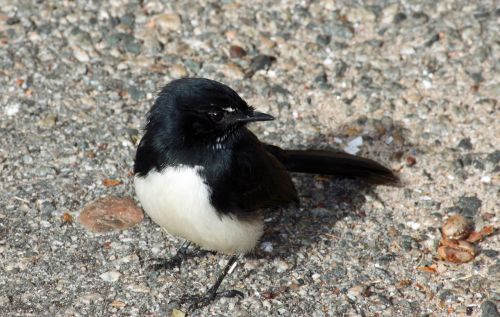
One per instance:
(334, 163)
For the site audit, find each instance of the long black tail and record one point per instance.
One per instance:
(334, 163)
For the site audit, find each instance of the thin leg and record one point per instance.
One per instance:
(174, 261)
(211, 294)
(230, 266)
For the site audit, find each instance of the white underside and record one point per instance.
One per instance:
(178, 200)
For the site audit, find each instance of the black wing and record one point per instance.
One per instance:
(254, 179)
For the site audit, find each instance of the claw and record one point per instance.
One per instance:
(175, 261)
(200, 301)
(164, 264)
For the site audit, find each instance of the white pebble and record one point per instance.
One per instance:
(12, 109)
(110, 276)
(353, 145)
(486, 179)
(414, 225)
(266, 247)
(427, 83)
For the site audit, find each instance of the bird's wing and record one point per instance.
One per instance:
(254, 180)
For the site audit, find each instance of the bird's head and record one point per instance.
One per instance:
(199, 111)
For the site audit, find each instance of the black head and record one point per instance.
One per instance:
(193, 111)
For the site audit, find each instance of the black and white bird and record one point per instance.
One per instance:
(201, 175)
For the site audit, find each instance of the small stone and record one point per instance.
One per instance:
(489, 309)
(232, 70)
(128, 19)
(139, 288)
(355, 291)
(131, 45)
(339, 68)
(494, 157)
(282, 266)
(486, 179)
(168, 22)
(266, 247)
(353, 147)
(110, 213)
(49, 121)
(110, 276)
(12, 109)
(267, 42)
(342, 31)
(447, 295)
(178, 71)
(114, 39)
(118, 304)
(465, 144)
(12, 21)
(360, 14)
(178, 313)
(236, 51)
(135, 92)
(80, 55)
(262, 62)
(400, 17)
(323, 39)
(469, 206)
(89, 298)
(491, 253)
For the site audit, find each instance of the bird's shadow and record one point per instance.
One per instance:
(324, 200)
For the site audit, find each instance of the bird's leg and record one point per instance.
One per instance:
(199, 301)
(175, 261)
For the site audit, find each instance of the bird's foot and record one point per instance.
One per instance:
(200, 301)
(173, 262)
(166, 264)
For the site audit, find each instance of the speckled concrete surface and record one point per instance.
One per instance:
(412, 78)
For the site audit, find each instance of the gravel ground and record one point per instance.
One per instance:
(415, 79)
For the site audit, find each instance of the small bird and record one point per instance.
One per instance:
(201, 175)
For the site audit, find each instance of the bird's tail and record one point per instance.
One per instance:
(334, 163)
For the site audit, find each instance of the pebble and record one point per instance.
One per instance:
(48, 121)
(465, 144)
(282, 266)
(469, 206)
(89, 298)
(236, 51)
(178, 71)
(12, 109)
(80, 54)
(110, 213)
(353, 146)
(110, 276)
(262, 62)
(168, 22)
(233, 71)
(489, 309)
(355, 291)
(266, 247)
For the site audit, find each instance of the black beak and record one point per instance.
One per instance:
(251, 117)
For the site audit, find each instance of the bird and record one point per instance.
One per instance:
(203, 176)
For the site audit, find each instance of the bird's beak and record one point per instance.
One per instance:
(251, 117)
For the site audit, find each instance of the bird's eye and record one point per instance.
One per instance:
(216, 116)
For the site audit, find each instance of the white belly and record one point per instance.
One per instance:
(178, 200)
